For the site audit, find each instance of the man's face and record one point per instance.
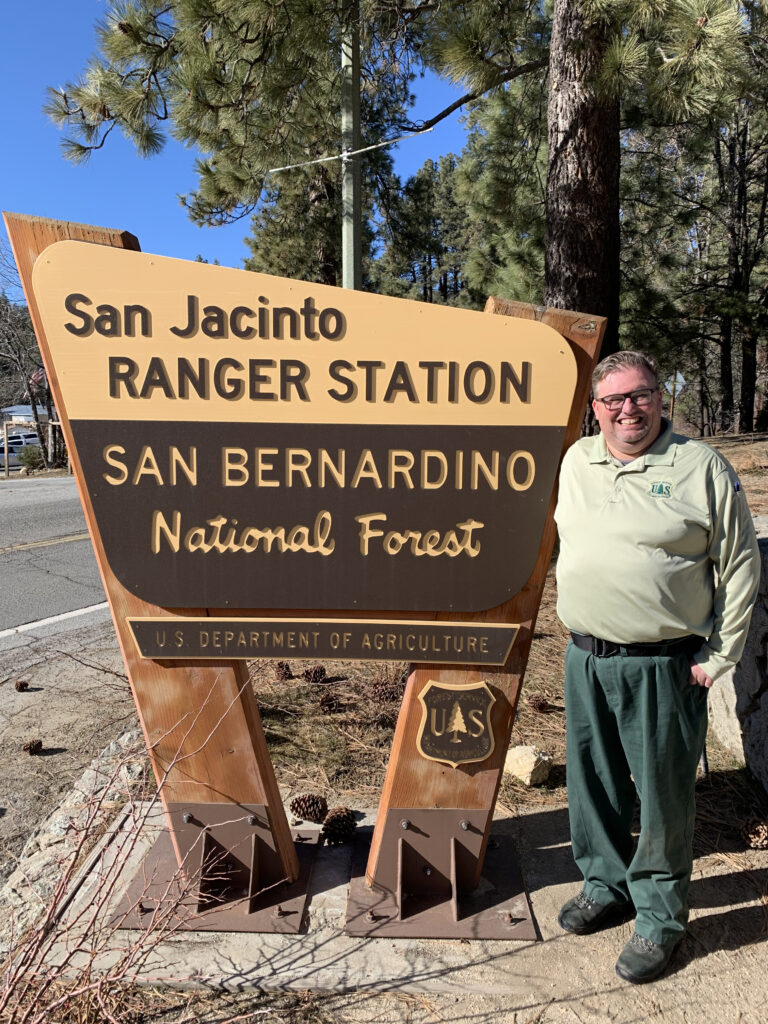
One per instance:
(630, 430)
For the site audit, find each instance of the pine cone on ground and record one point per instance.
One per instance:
(386, 718)
(385, 690)
(755, 833)
(33, 746)
(328, 702)
(315, 674)
(309, 807)
(283, 671)
(539, 704)
(339, 825)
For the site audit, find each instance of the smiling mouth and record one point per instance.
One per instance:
(631, 421)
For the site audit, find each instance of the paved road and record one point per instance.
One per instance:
(46, 562)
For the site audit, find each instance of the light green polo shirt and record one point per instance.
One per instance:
(660, 548)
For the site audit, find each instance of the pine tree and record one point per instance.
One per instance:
(255, 86)
(456, 723)
(694, 234)
(500, 185)
(427, 239)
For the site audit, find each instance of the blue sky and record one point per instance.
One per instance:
(48, 43)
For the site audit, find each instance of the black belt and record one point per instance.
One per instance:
(607, 649)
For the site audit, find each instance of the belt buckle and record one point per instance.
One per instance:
(602, 648)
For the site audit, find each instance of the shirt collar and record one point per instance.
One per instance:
(661, 452)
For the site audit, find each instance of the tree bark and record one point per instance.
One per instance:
(582, 193)
(748, 378)
(726, 372)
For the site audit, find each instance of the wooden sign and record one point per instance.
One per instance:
(264, 463)
(251, 442)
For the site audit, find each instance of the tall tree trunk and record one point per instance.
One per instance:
(761, 406)
(582, 194)
(704, 418)
(726, 372)
(748, 378)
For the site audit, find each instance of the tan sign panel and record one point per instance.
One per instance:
(254, 442)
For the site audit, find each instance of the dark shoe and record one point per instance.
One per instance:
(582, 915)
(642, 960)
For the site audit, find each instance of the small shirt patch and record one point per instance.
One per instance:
(661, 489)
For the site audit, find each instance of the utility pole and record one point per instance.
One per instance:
(351, 206)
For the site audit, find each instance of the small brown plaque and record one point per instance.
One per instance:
(456, 723)
(473, 643)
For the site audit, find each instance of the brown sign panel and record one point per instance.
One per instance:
(254, 442)
(457, 643)
(456, 723)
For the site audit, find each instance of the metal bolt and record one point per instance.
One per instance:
(427, 870)
(508, 919)
(186, 818)
(464, 826)
(405, 823)
(278, 911)
(227, 865)
(253, 820)
(300, 839)
(370, 916)
(143, 908)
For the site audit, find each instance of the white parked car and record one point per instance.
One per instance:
(25, 439)
(13, 457)
(16, 442)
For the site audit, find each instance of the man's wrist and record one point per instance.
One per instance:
(711, 662)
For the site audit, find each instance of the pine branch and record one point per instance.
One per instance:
(475, 94)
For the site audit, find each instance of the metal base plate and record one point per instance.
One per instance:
(160, 895)
(497, 909)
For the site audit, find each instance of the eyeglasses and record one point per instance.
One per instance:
(641, 398)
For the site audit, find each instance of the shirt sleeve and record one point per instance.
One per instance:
(735, 557)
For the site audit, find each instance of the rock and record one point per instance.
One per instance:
(91, 783)
(738, 702)
(90, 804)
(529, 765)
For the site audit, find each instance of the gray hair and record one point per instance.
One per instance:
(622, 361)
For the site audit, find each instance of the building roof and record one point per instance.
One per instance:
(18, 412)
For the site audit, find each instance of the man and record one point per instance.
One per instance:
(657, 574)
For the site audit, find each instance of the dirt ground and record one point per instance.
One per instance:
(332, 735)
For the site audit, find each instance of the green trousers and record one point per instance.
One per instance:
(635, 726)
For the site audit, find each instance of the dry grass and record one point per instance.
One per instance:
(748, 454)
(333, 736)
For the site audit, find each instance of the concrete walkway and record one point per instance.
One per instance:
(718, 975)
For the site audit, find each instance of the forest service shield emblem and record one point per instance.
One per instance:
(456, 723)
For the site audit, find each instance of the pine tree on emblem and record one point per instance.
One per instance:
(456, 723)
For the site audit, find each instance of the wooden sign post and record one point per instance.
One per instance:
(272, 467)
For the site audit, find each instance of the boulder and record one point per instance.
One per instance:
(738, 702)
(529, 765)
